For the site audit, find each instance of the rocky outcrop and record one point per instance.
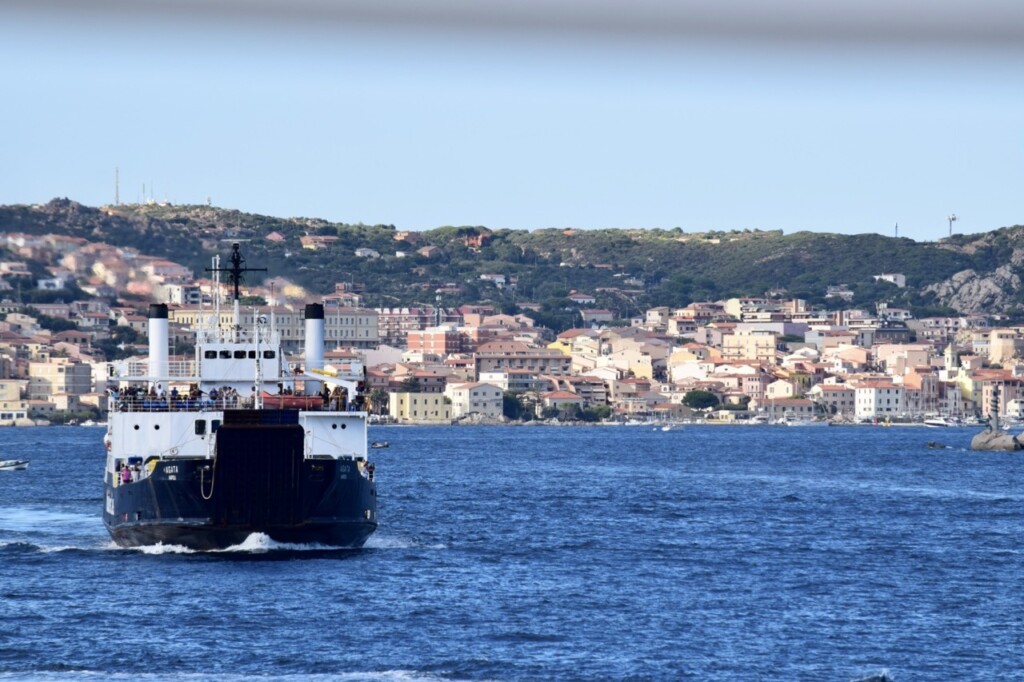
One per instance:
(996, 440)
(969, 292)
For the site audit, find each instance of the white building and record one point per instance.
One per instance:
(1015, 408)
(899, 279)
(476, 398)
(178, 293)
(58, 375)
(878, 399)
(345, 327)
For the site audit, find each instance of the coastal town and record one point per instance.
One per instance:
(770, 359)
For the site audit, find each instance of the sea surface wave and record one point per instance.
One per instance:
(704, 553)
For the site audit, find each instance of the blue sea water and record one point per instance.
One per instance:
(533, 553)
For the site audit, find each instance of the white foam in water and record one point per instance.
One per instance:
(380, 541)
(383, 676)
(28, 519)
(160, 548)
(39, 548)
(259, 542)
(41, 527)
(403, 675)
(256, 543)
(56, 549)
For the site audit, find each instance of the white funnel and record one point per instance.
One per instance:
(314, 343)
(158, 343)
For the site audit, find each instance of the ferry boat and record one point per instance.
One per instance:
(204, 453)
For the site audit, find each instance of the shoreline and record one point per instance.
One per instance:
(539, 423)
(682, 425)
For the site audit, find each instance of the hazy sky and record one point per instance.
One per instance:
(839, 117)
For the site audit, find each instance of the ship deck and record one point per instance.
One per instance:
(270, 402)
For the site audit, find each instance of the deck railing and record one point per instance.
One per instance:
(132, 369)
(148, 404)
(145, 403)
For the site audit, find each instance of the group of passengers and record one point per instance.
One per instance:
(337, 399)
(224, 397)
(136, 398)
(130, 398)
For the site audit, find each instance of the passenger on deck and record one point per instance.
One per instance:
(126, 474)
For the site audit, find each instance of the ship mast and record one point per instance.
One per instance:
(236, 274)
(215, 327)
(257, 327)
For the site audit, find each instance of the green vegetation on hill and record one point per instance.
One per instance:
(627, 270)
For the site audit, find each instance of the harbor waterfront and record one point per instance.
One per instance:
(731, 553)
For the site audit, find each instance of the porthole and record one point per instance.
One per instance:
(156, 426)
(136, 427)
(334, 426)
(344, 425)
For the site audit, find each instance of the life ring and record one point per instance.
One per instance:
(173, 452)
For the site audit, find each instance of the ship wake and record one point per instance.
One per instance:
(256, 543)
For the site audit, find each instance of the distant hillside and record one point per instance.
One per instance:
(628, 270)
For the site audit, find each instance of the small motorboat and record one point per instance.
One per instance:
(13, 464)
(379, 444)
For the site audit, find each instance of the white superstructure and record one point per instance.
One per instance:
(163, 409)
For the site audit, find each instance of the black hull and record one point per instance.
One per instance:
(259, 482)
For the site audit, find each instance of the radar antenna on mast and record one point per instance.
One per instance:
(236, 273)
